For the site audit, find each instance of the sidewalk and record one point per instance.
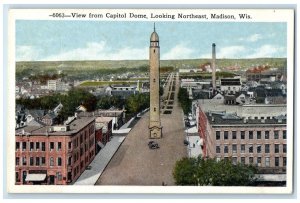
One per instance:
(101, 160)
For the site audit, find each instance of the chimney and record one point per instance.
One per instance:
(213, 64)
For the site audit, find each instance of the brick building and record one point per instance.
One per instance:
(259, 139)
(54, 154)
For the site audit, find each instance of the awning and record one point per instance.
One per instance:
(100, 144)
(35, 177)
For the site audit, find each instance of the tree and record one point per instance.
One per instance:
(184, 100)
(106, 102)
(199, 171)
(137, 102)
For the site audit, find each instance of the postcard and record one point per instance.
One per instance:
(150, 101)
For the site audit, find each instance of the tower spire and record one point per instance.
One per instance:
(154, 27)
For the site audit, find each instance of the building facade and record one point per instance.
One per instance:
(259, 140)
(54, 155)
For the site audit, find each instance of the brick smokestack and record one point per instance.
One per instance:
(213, 64)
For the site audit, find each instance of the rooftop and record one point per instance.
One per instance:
(75, 126)
(231, 119)
(251, 110)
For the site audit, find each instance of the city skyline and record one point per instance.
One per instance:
(107, 40)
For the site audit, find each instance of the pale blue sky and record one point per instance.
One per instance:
(100, 40)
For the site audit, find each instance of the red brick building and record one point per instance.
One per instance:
(259, 140)
(54, 155)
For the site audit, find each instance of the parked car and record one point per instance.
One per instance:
(153, 145)
(186, 143)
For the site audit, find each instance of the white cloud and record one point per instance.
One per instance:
(26, 53)
(227, 52)
(100, 51)
(251, 38)
(180, 51)
(267, 50)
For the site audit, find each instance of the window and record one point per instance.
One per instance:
(258, 163)
(250, 135)
(17, 161)
(267, 148)
(284, 134)
(218, 135)
(69, 176)
(242, 135)
(234, 148)
(267, 135)
(225, 135)
(51, 146)
(69, 145)
(154, 80)
(24, 146)
(267, 161)
(233, 135)
(37, 146)
(31, 161)
(284, 148)
(243, 160)
(276, 161)
(51, 161)
(258, 135)
(154, 109)
(284, 161)
(69, 161)
(242, 148)
(225, 149)
(17, 177)
(250, 160)
(276, 148)
(81, 138)
(59, 161)
(234, 160)
(31, 146)
(81, 151)
(276, 134)
(43, 160)
(37, 161)
(218, 149)
(59, 176)
(59, 146)
(258, 149)
(250, 148)
(17, 145)
(43, 146)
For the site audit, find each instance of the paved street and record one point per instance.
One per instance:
(135, 164)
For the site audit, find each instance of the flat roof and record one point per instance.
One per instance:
(253, 110)
(103, 119)
(75, 126)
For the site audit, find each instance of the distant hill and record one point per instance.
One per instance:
(69, 67)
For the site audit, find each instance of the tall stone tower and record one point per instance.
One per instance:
(154, 58)
(213, 63)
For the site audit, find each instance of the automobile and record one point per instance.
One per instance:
(153, 146)
(151, 142)
(186, 143)
(88, 167)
